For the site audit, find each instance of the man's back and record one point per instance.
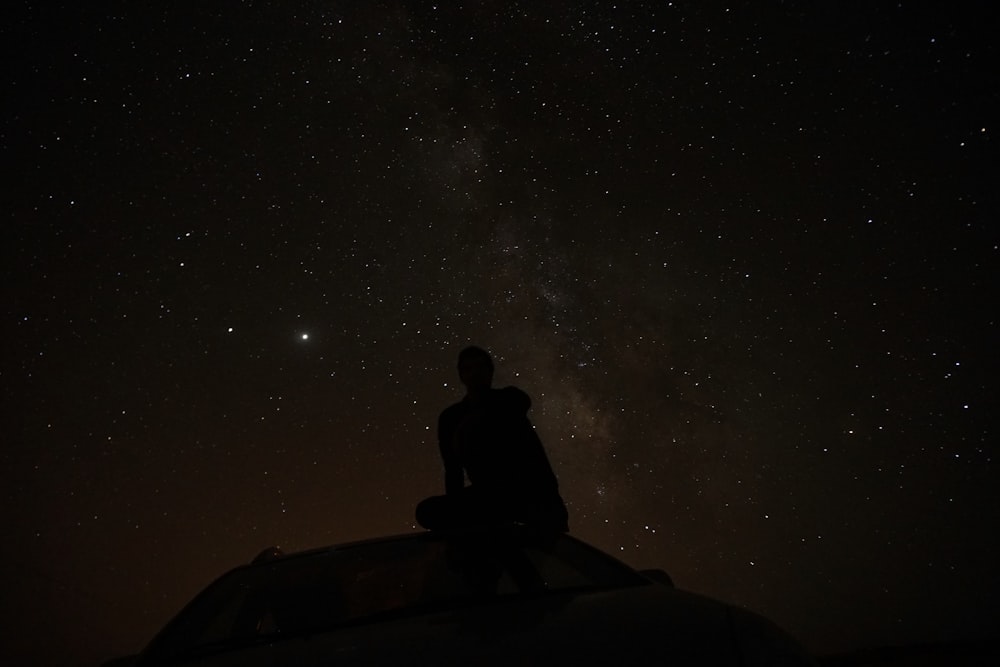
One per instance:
(493, 440)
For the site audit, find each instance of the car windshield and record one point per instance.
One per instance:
(317, 591)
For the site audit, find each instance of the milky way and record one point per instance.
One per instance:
(741, 257)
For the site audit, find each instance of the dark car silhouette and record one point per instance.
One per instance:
(500, 597)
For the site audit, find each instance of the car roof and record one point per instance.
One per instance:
(517, 534)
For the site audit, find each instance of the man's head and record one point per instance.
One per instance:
(475, 368)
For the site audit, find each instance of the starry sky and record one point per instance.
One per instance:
(741, 255)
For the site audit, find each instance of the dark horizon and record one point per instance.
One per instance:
(742, 258)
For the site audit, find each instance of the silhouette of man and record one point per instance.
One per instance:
(488, 437)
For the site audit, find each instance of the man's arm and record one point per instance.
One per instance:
(454, 473)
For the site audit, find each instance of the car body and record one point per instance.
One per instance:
(492, 597)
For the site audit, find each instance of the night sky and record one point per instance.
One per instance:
(742, 256)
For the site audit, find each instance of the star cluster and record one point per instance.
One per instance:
(741, 256)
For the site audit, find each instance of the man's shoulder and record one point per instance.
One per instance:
(453, 410)
(513, 397)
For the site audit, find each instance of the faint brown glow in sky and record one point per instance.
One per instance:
(741, 258)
